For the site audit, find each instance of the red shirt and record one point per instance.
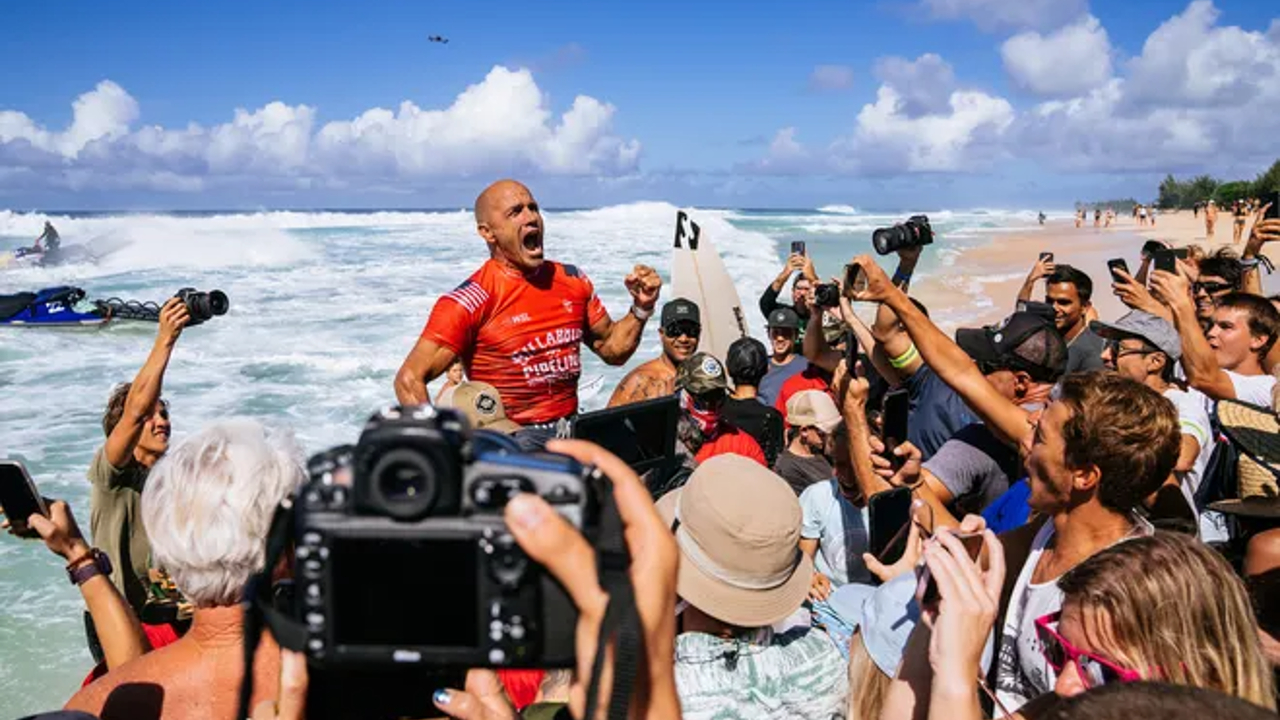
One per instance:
(729, 439)
(522, 334)
(812, 378)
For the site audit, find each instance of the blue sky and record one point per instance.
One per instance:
(971, 102)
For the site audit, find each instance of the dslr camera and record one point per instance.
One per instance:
(826, 295)
(412, 563)
(912, 233)
(202, 306)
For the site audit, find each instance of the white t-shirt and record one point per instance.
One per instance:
(842, 532)
(1193, 420)
(1022, 672)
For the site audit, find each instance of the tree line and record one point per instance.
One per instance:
(1183, 194)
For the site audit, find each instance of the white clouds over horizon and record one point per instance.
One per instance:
(501, 124)
(1199, 95)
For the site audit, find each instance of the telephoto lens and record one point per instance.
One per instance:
(912, 233)
(202, 306)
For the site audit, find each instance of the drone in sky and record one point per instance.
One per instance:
(438, 39)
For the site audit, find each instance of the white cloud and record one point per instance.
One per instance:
(786, 156)
(829, 78)
(501, 124)
(923, 85)
(1189, 61)
(991, 15)
(1067, 62)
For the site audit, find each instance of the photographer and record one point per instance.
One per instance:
(207, 507)
(520, 320)
(801, 292)
(137, 427)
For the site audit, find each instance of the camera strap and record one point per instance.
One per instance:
(260, 611)
(621, 622)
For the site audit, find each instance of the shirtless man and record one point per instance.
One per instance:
(680, 331)
(1210, 218)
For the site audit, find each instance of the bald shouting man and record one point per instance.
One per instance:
(518, 322)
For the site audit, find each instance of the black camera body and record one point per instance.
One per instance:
(826, 295)
(915, 232)
(202, 306)
(412, 563)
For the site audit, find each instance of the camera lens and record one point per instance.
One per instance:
(218, 302)
(406, 483)
(890, 239)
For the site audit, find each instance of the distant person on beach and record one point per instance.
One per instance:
(519, 322)
(1070, 292)
(1097, 217)
(1042, 218)
(1210, 218)
(1195, 210)
(1079, 217)
(1240, 213)
(801, 292)
(680, 330)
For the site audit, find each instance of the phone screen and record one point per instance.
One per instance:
(1046, 257)
(18, 495)
(889, 512)
(855, 281)
(797, 247)
(850, 352)
(1165, 260)
(896, 409)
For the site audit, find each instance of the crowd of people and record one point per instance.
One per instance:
(1093, 525)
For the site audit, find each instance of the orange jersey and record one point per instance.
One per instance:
(521, 334)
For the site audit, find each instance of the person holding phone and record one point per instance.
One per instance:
(801, 267)
(1070, 292)
(137, 428)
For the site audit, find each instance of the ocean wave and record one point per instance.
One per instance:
(838, 209)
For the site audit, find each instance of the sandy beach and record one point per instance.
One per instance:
(986, 279)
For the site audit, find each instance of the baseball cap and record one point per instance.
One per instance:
(1151, 329)
(482, 406)
(701, 373)
(680, 309)
(737, 525)
(784, 317)
(813, 408)
(1025, 341)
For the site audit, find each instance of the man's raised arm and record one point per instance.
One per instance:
(144, 392)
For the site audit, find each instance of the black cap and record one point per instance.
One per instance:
(1024, 341)
(784, 317)
(680, 309)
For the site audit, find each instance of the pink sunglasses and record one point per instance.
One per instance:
(1094, 671)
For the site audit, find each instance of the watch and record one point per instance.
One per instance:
(640, 313)
(96, 562)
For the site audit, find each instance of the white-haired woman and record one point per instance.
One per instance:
(207, 507)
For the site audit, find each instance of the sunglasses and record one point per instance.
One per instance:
(682, 328)
(1210, 287)
(1094, 671)
(1118, 352)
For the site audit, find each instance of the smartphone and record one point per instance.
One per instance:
(1117, 264)
(19, 497)
(888, 513)
(850, 352)
(973, 546)
(855, 281)
(894, 422)
(1046, 257)
(1165, 260)
(1273, 212)
(797, 247)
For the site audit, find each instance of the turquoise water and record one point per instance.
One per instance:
(324, 307)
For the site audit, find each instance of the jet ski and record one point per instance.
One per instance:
(62, 307)
(65, 255)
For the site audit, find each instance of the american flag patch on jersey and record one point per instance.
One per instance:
(469, 295)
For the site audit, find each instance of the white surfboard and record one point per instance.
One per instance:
(698, 274)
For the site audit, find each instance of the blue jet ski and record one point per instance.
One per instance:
(54, 306)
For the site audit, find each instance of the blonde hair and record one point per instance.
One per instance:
(867, 683)
(1177, 611)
